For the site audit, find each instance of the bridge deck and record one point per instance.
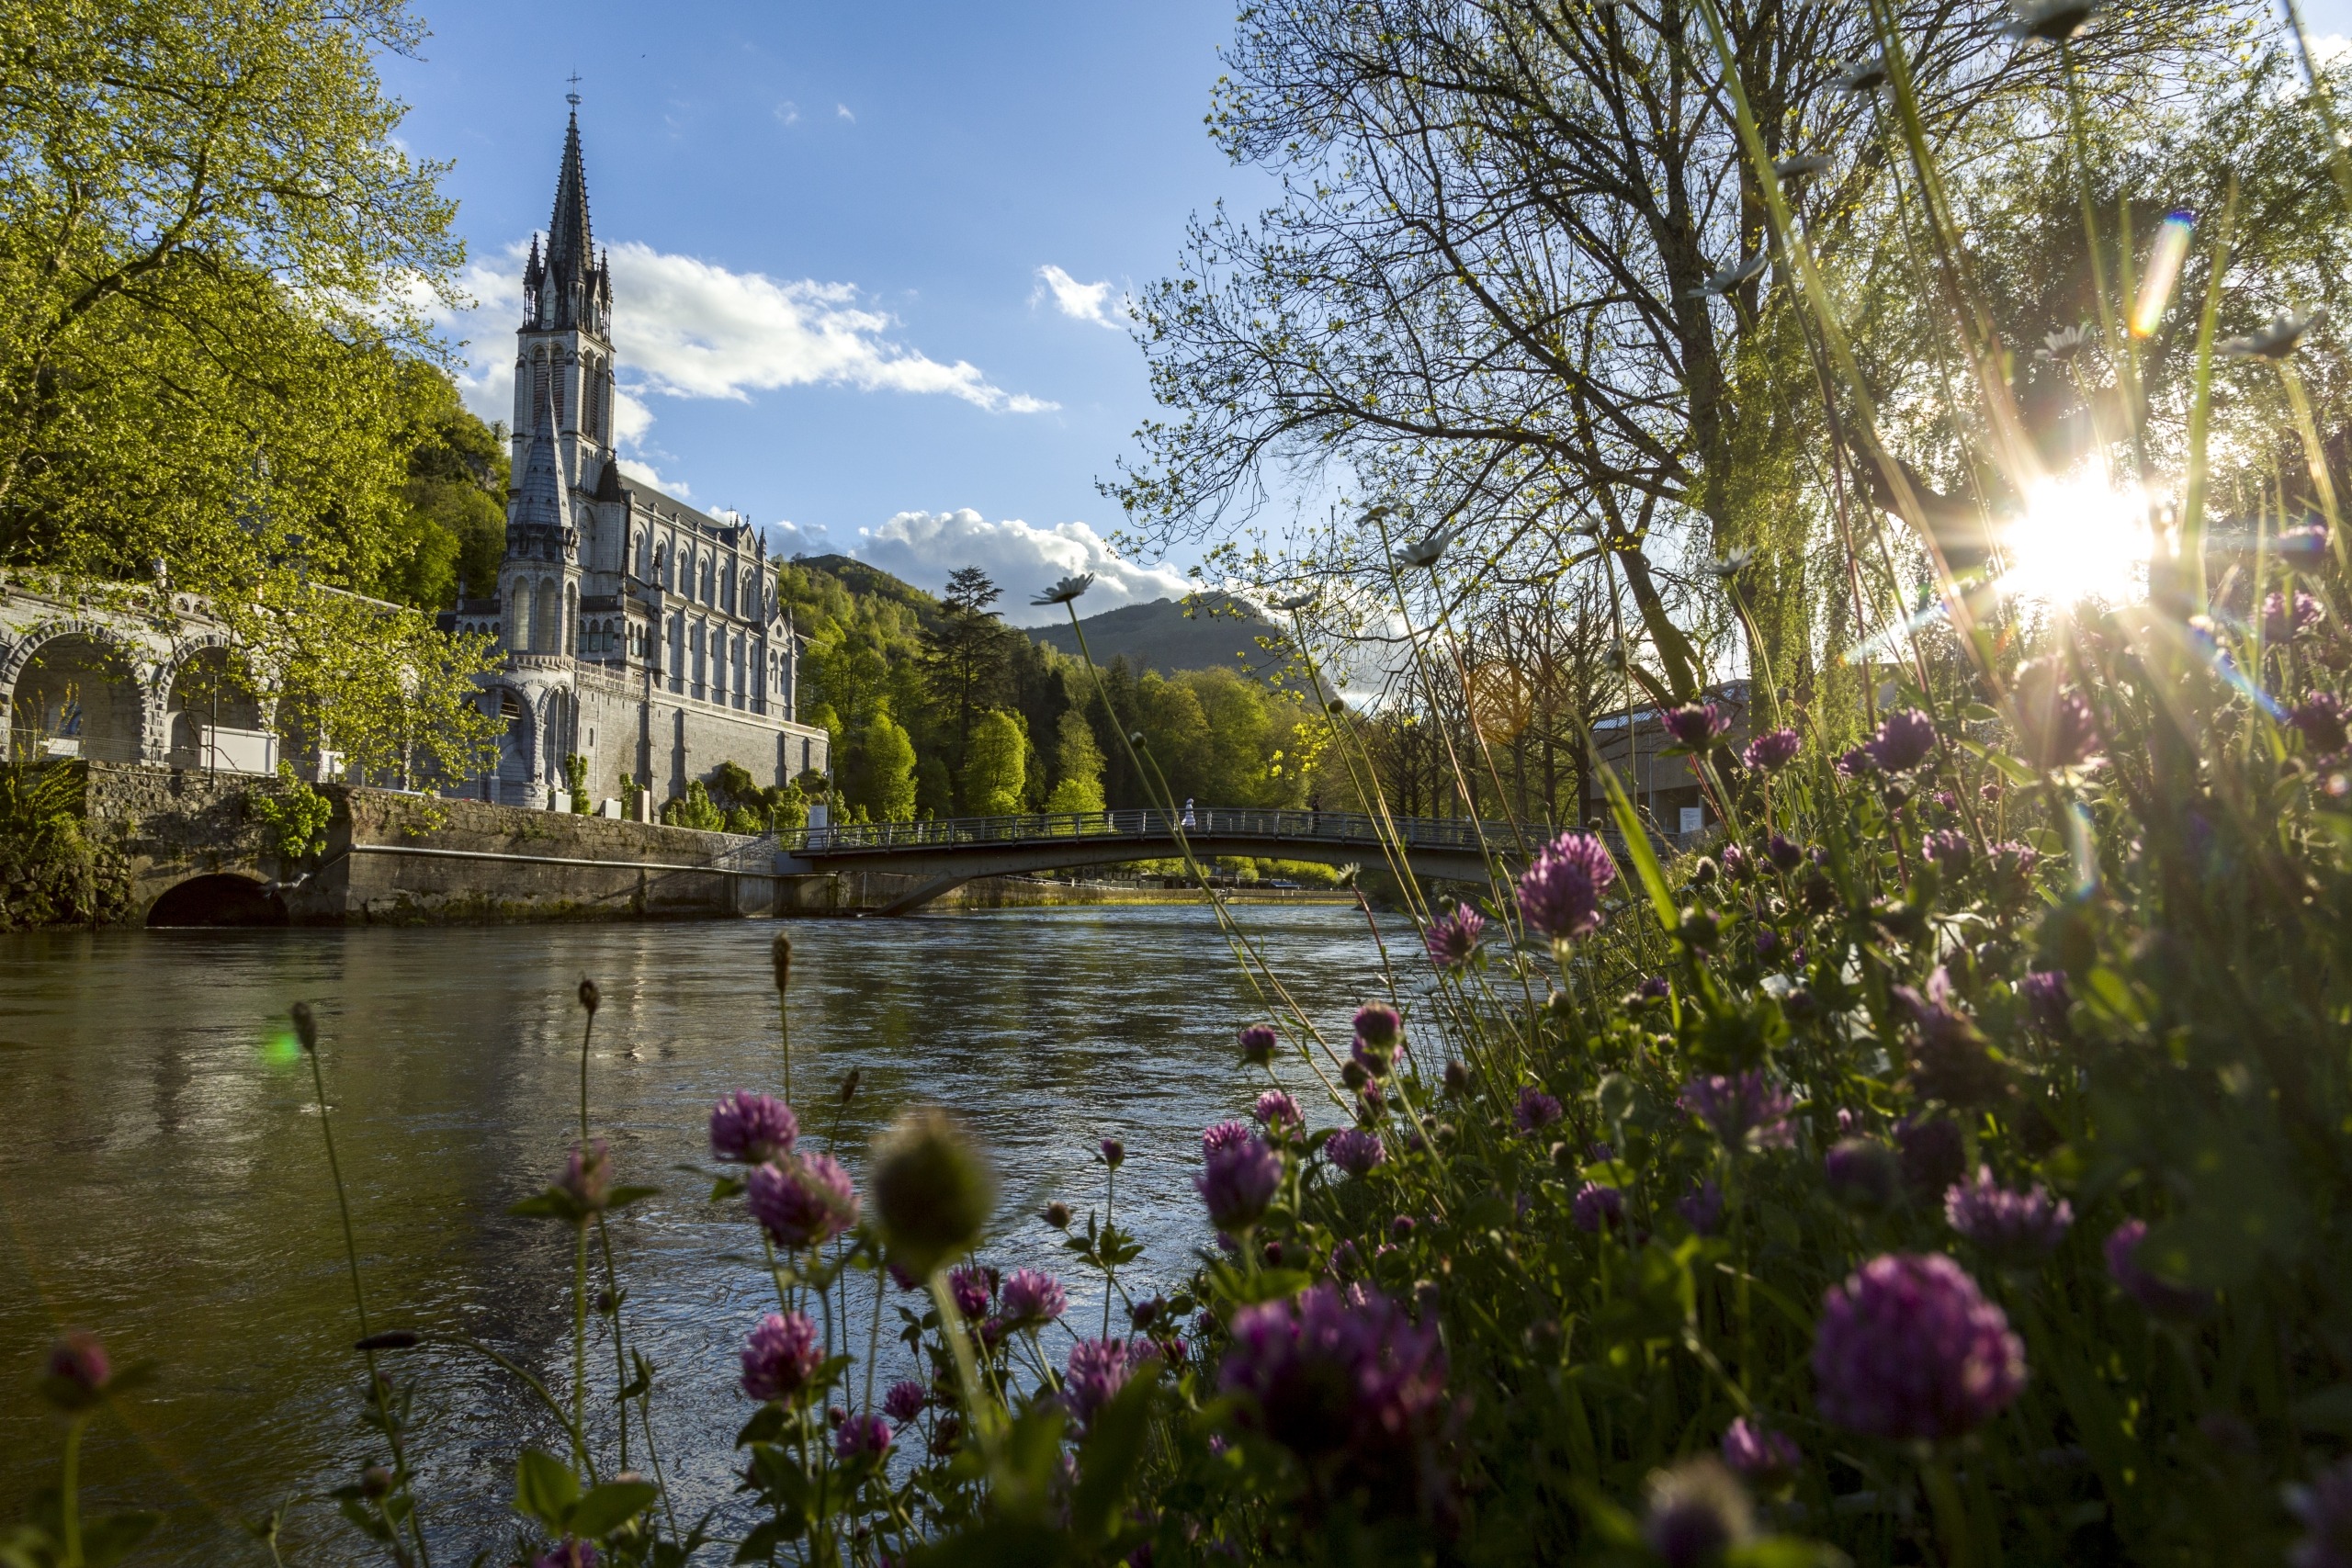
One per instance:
(1316, 829)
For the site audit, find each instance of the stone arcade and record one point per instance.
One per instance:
(640, 634)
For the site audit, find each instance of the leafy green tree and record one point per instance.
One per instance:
(995, 770)
(966, 661)
(878, 776)
(450, 526)
(1078, 766)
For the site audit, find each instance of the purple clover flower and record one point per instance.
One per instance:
(1950, 849)
(1903, 741)
(1858, 764)
(779, 1355)
(2321, 720)
(803, 1201)
(2058, 728)
(1114, 1153)
(1355, 1151)
(2158, 1296)
(1772, 750)
(862, 1437)
(751, 1129)
(1909, 1349)
(1454, 936)
(2324, 1511)
(1224, 1135)
(1693, 725)
(1031, 1296)
(1560, 894)
(569, 1553)
(1738, 864)
(1596, 1208)
(1760, 1455)
(587, 1178)
(1747, 1111)
(1656, 988)
(1099, 1368)
(1237, 1180)
(1257, 1043)
(1785, 855)
(905, 1401)
(2281, 625)
(1331, 1374)
(1535, 1111)
(78, 1369)
(2048, 997)
(971, 1288)
(1701, 1208)
(2016, 1227)
(1377, 1024)
(1277, 1108)
(2013, 860)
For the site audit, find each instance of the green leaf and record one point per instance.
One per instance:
(547, 1205)
(1107, 1460)
(1637, 848)
(545, 1488)
(761, 1545)
(607, 1507)
(622, 1197)
(363, 1519)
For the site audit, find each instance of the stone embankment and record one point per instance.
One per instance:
(193, 849)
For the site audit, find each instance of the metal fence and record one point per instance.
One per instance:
(1271, 828)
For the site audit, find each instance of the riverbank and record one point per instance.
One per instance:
(858, 893)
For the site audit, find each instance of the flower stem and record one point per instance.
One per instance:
(69, 1503)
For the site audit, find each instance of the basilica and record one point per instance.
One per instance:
(643, 638)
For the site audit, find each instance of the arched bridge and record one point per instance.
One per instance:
(952, 851)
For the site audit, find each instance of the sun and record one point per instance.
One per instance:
(2079, 538)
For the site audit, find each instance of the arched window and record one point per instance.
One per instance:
(571, 619)
(677, 652)
(518, 616)
(727, 589)
(547, 634)
(710, 579)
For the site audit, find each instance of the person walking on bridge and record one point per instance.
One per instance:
(1188, 812)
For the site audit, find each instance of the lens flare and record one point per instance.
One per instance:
(2164, 271)
(2080, 539)
(280, 1048)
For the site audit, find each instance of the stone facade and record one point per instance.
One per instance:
(642, 634)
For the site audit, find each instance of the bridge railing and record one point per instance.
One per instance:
(1203, 823)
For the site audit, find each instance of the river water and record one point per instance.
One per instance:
(163, 1180)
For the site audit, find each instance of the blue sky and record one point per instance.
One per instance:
(831, 228)
(868, 259)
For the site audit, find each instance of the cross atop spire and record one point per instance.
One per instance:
(572, 97)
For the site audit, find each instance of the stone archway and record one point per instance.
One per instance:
(80, 688)
(221, 898)
(213, 717)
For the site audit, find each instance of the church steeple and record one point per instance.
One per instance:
(571, 289)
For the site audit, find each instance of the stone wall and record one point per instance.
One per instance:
(407, 859)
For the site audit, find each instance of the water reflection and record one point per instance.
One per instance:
(163, 1181)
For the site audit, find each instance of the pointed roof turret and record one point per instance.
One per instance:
(539, 502)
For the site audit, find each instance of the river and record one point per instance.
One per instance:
(163, 1181)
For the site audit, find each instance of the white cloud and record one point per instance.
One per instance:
(1080, 301)
(788, 539)
(677, 490)
(2328, 49)
(924, 547)
(787, 113)
(842, 110)
(683, 328)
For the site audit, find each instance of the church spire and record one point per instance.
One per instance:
(576, 291)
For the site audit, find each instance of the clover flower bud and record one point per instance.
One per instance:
(1908, 1349)
(1454, 937)
(1354, 1151)
(1903, 741)
(751, 1129)
(803, 1201)
(590, 996)
(1354, 1074)
(1696, 1512)
(971, 1288)
(1114, 1153)
(1596, 1208)
(376, 1483)
(862, 1437)
(1030, 1296)
(1056, 1215)
(1224, 1135)
(780, 1356)
(587, 1178)
(905, 1401)
(1237, 1180)
(2048, 997)
(1535, 1111)
(1693, 725)
(1759, 1455)
(1701, 1208)
(306, 1026)
(2016, 1227)
(1277, 1109)
(933, 1190)
(1784, 855)
(1257, 1043)
(780, 956)
(1746, 1111)
(78, 1371)
(1772, 750)
(1457, 1078)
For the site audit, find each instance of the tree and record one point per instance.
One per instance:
(1522, 280)
(879, 775)
(966, 657)
(994, 765)
(451, 524)
(1078, 766)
